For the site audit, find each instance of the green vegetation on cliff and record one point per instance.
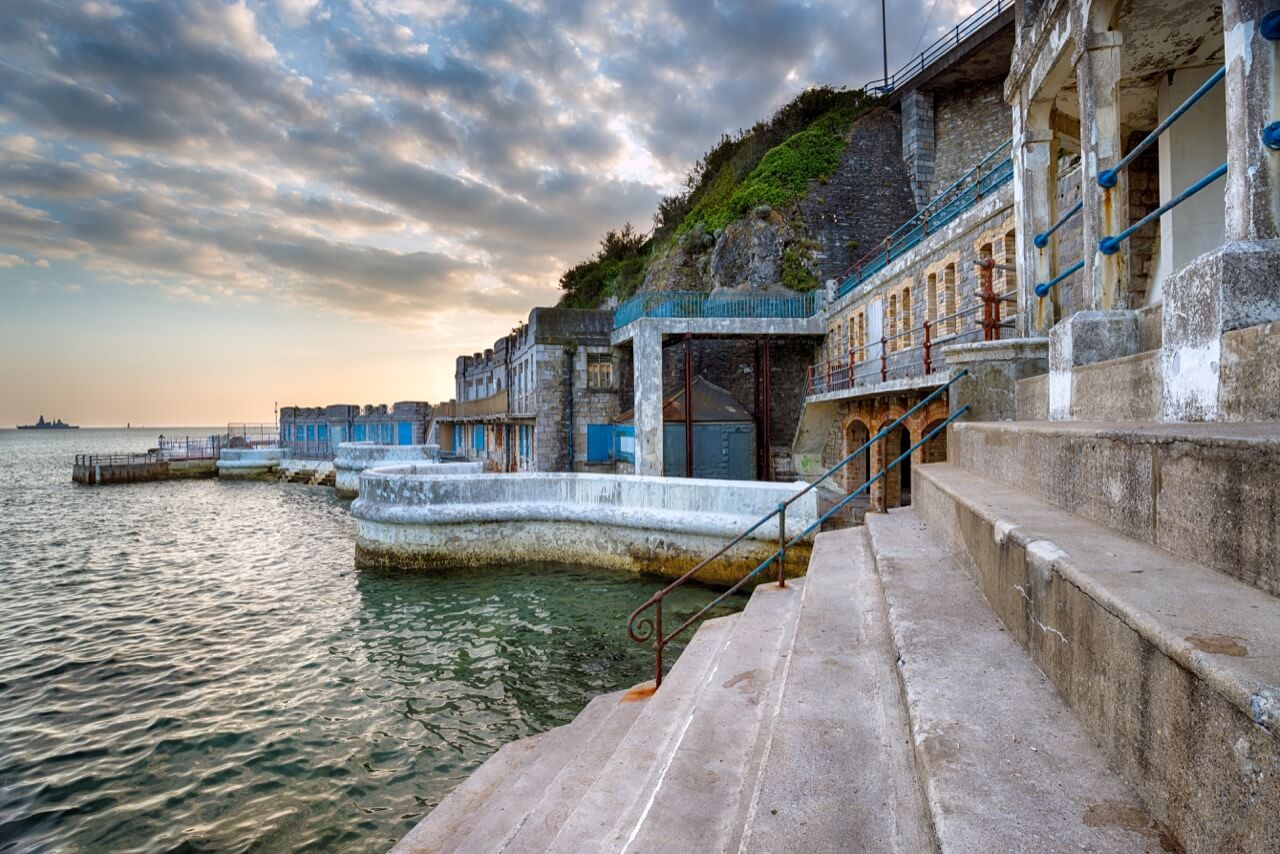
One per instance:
(617, 269)
(779, 175)
(771, 164)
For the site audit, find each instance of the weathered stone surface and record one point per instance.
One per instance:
(748, 255)
(1210, 492)
(1250, 372)
(1124, 389)
(249, 463)
(1082, 339)
(355, 457)
(1235, 287)
(1171, 666)
(1033, 398)
(657, 525)
(995, 367)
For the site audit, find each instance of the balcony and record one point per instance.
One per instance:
(485, 407)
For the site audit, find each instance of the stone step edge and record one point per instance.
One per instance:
(693, 669)
(906, 633)
(744, 624)
(557, 750)
(1256, 698)
(447, 817)
(1259, 435)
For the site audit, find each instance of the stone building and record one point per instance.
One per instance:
(542, 399)
(316, 431)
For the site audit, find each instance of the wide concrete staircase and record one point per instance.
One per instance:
(876, 705)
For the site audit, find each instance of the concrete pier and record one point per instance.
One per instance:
(109, 469)
(249, 463)
(407, 518)
(355, 457)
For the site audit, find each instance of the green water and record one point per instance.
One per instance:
(196, 666)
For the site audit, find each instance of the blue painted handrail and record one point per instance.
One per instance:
(642, 629)
(1042, 289)
(1111, 245)
(700, 304)
(1042, 239)
(1108, 178)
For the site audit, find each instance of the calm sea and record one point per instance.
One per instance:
(197, 666)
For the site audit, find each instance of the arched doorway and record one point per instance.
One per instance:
(900, 449)
(858, 471)
(887, 492)
(934, 450)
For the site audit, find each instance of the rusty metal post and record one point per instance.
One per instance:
(782, 544)
(688, 405)
(884, 359)
(928, 350)
(657, 667)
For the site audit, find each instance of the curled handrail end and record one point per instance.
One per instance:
(1109, 245)
(1041, 240)
(1042, 289)
(1108, 179)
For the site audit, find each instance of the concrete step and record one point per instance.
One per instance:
(541, 824)
(1172, 667)
(838, 771)
(450, 815)
(698, 802)
(632, 770)
(1003, 763)
(502, 814)
(1209, 492)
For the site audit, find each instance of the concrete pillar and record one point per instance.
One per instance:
(1253, 102)
(918, 143)
(1035, 203)
(1234, 287)
(1106, 211)
(647, 370)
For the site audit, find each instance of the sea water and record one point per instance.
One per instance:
(198, 666)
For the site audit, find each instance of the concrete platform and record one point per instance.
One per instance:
(1172, 667)
(1209, 492)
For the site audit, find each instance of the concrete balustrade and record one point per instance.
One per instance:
(355, 457)
(410, 517)
(249, 463)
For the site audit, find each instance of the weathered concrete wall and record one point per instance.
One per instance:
(250, 463)
(143, 472)
(354, 457)
(654, 525)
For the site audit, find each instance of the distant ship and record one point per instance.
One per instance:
(56, 424)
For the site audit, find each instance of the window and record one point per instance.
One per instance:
(947, 300)
(907, 329)
(599, 371)
(931, 297)
(892, 324)
(1008, 274)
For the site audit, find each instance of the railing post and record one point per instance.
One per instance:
(657, 666)
(884, 359)
(782, 544)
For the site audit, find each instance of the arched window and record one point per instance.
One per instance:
(891, 325)
(908, 328)
(948, 298)
(1010, 260)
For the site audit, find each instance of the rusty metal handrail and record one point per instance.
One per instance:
(641, 630)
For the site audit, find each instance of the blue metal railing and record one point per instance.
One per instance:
(989, 174)
(642, 630)
(1042, 289)
(1108, 178)
(697, 304)
(1042, 239)
(970, 25)
(1111, 245)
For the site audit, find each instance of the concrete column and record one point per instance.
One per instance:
(647, 368)
(1231, 288)
(918, 142)
(1106, 211)
(1253, 102)
(1035, 203)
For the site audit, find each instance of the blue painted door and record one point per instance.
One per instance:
(599, 443)
(406, 433)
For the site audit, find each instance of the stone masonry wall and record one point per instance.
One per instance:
(866, 198)
(918, 143)
(967, 125)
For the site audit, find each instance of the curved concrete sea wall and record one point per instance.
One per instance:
(249, 463)
(354, 457)
(406, 518)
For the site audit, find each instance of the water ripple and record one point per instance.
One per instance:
(195, 666)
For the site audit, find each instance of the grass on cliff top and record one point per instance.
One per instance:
(783, 173)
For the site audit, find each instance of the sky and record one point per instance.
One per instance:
(208, 207)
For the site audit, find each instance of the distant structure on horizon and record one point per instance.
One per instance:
(56, 424)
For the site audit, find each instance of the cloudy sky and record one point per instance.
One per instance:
(209, 206)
